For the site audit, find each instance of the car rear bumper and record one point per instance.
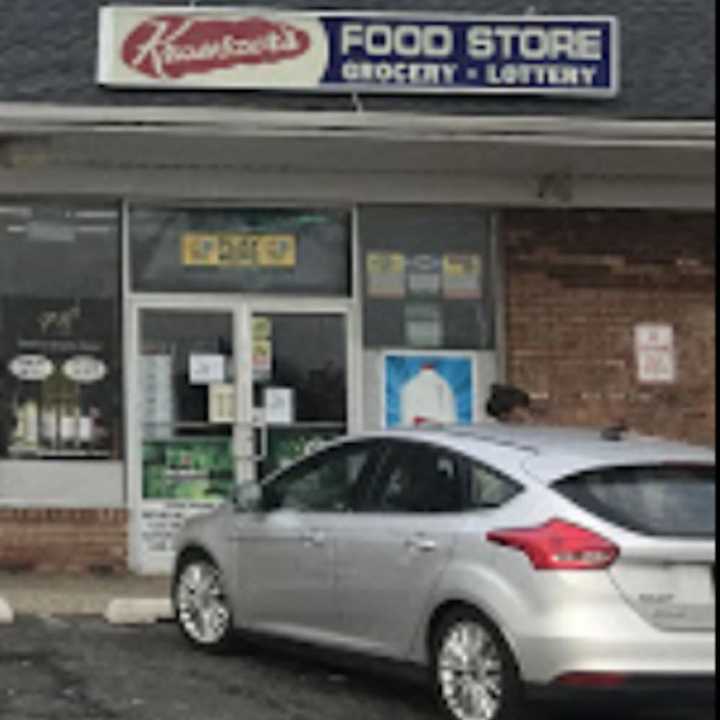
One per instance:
(681, 690)
(641, 657)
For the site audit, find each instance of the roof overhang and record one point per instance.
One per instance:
(543, 150)
(38, 118)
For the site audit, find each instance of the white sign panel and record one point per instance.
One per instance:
(221, 403)
(157, 395)
(207, 369)
(84, 369)
(655, 353)
(160, 523)
(279, 406)
(222, 47)
(31, 368)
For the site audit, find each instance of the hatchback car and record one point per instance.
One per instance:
(501, 558)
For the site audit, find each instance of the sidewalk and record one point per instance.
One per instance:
(61, 594)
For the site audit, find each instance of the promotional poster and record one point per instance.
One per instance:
(428, 388)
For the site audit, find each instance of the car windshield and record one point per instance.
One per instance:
(658, 501)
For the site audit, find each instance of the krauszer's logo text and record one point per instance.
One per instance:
(174, 46)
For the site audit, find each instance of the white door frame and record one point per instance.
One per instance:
(241, 308)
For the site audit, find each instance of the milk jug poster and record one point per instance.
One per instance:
(428, 388)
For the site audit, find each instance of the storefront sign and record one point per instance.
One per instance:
(249, 250)
(655, 353)
(210, 48)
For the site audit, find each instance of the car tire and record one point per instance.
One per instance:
(202, 608)
(474, 674)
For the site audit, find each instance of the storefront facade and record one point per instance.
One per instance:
(198, 284)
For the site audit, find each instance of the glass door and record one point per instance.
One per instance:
(185, 432)
(222, 395)
(299, 383)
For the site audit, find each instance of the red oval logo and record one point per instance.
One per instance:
(172, 46)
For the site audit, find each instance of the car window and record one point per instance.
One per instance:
(420, 479)
(489, 489)
(330, 482)
(660, 501)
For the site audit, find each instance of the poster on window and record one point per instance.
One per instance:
(462, 276)
(422, 388)
(286, 445)
(424, 275)
(385, 275)
(62, 370)
(187, 469)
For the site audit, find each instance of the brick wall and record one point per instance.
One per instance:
(73, 540)
(578, 283)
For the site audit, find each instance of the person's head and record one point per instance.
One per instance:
(508, 403)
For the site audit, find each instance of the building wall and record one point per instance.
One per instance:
(54, 539)
(577, 284)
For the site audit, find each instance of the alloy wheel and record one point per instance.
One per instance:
(470, 674)
(203, 611)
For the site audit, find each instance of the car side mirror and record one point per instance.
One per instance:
(247, 497)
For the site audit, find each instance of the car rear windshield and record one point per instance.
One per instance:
(658, 501)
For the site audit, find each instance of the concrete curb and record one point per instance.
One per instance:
(138, 611)
(6, 613)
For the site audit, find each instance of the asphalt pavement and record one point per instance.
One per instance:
(82, 668)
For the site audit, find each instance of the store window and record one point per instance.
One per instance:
(280, 251)
(60, 348)
(427, 278)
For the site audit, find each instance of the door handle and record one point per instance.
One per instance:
(421, 543)
(313, 537)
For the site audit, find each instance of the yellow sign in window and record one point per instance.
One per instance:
(200, 249)
(248, 250)
(276, 251)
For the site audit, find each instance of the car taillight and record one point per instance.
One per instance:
(559, 545)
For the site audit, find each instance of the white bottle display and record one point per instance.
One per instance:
(428, 397)
(30, 427)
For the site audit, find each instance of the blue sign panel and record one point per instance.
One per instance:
(528, 55)
(215, 48)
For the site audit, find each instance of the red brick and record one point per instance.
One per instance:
(577, 284)
(63, 539)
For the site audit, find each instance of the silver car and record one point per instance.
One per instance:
(501, 558)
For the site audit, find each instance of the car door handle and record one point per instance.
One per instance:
(421, 543)
(313, 537)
